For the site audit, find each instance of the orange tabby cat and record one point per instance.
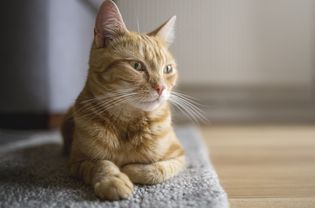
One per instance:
(119, 130)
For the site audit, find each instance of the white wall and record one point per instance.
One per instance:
(71, 25)
(235, 42)
(219, 42)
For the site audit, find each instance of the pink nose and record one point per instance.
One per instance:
(159, 88)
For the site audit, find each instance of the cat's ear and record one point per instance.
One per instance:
(109, 24)
(166, 31)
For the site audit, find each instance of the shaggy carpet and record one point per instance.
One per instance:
(33, 173)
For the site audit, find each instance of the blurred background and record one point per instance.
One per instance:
(246, 61)
(251, 63)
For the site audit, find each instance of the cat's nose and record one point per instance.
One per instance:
(159, 88)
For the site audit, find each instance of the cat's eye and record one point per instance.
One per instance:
(168, 69)
(137, 66)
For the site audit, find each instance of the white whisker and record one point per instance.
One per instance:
(193, 108)
(189, 105)
(99, 105)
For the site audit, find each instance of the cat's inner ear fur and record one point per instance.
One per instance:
(166, 31)
(109, 24)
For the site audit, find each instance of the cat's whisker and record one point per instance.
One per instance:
(188, 97)
(95, 103)
(189, 114)
(194, 100)
(190, 108)
(101, 98)
(194, 109)
(106, 108)
(138, 26)
(183, 110)
(91, 105)
(105, 96)
(197, 114)
(91, 99)
(185, 95)
(112, 100)
(102, 107)
(116, 101)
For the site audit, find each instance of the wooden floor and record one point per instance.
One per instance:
(265, 166)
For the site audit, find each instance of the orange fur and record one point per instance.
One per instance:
(112, 148)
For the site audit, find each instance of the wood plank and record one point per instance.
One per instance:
(273, 203)
(263, 165)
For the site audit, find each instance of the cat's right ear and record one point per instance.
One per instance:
(109, 24)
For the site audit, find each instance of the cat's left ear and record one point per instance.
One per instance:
(166, 31)
(109, 24)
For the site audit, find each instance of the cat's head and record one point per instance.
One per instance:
(137, 69)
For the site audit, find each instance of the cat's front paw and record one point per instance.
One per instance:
(114, 187)
(144, 174)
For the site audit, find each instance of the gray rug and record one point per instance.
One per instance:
(33, 173)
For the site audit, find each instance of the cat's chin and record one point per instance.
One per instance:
(149, 106)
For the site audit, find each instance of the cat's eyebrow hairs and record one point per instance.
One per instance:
(123, 60)
(116, 62)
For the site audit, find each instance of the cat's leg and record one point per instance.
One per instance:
(105, 177)
(156, 172)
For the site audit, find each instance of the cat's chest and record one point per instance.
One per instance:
(133, 146)
(141, 142)
(138, 146)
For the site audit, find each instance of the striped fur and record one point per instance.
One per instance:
(112, 148)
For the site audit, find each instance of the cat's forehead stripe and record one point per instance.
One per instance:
(155, 50)
(147, 47)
